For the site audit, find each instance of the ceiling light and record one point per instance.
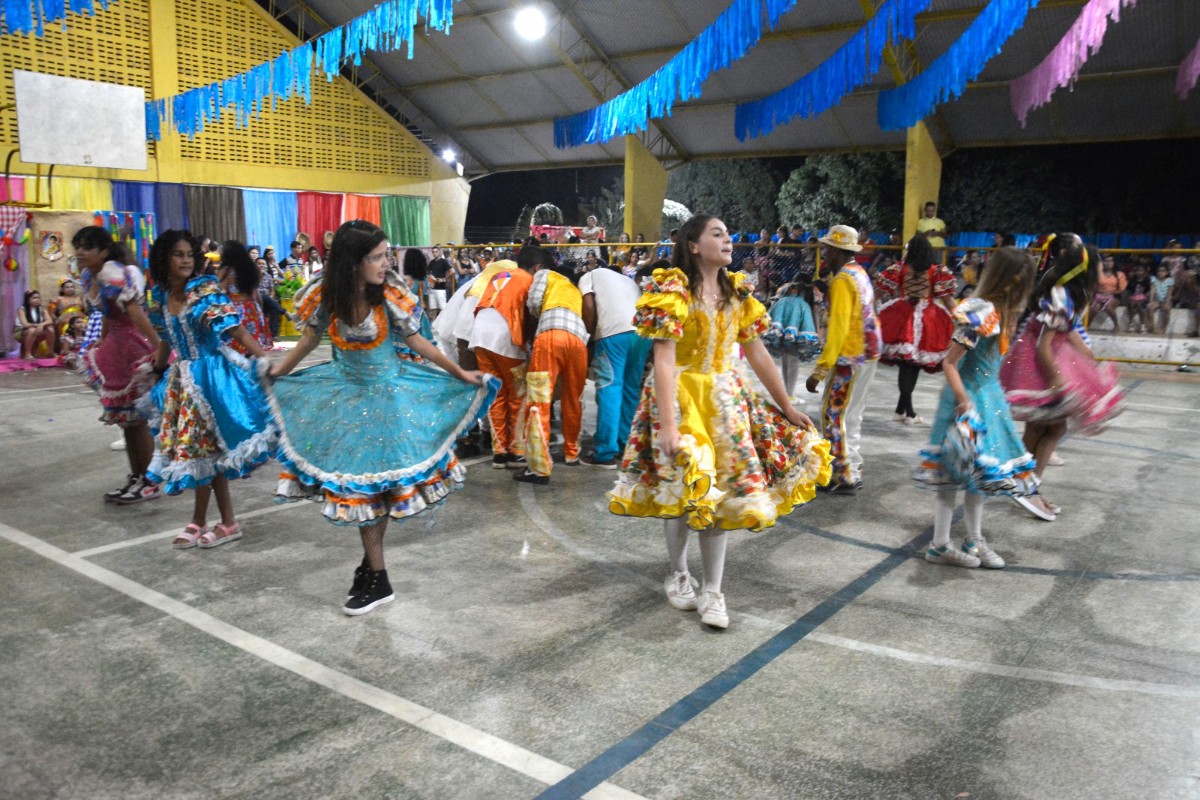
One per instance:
(530, 23)
(448, 155)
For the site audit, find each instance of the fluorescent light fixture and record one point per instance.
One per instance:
(448, 155)
(530, 23)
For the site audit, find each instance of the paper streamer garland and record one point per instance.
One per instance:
(23, 16)
(1189, 72)
(387, 27)
(727, 39)
(1034, 88)
(947, 77)
(851, 66)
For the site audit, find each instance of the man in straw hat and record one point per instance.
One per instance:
(848, 361)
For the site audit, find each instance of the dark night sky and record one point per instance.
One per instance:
(1164, 176)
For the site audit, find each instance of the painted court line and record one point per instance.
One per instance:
(471, 739)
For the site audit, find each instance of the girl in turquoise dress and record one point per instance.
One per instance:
(208, 412)
(373, 430)
(973, 443)
(792, 337)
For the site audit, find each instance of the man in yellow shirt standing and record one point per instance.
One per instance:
(933, 227)
(848, 361)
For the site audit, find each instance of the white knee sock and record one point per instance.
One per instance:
(677, 541)
(973, 514)
(943, 512)
(712, 558)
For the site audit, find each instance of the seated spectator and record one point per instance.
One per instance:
(1109, 290)
(1187, 296)
(1175, 263)
(34, 327)
(1139, 299)
(68, 303)
(70, 343)
(314, 265)
(1162, 288)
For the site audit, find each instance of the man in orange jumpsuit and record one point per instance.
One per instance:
(559, 355)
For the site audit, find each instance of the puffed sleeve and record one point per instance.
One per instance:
(210, 307)
(944, 283)
(663, 307)
(309, 310)
(402, 307)
(887, 284)
(753, 320)
(975, 319)
(1057, 310)
(120, 285)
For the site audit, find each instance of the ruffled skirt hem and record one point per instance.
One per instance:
(177, 475)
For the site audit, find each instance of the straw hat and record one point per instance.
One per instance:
(843, 237)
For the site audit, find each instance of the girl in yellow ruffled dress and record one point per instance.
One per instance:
(706, 452)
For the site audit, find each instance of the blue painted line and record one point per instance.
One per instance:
(641, 741)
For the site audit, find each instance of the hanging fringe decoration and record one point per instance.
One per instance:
(387, 27)
(947, 77)
(1034, 88)
(25, 16)
(1189, 72)
(727, 39)
(851, 66)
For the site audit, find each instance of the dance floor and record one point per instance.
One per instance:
(530, 651)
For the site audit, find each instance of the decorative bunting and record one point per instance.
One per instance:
(1189, 72)
(947, 77)
(25, 16)
(851, 66)
(387, 27)
(727, 39)
(1034, 88)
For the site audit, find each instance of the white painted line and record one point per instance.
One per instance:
(75, 385)
(1152, 407)
(530, 505)
(472, 739)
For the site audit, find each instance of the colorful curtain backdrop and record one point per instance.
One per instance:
(13, 223)
(82, 193)
(406, 220)
(170, 207)
(216, 212)
(134, 230)
(361, 206)
(12, 189)
(134, 196)
(270, 218)
(318, 212)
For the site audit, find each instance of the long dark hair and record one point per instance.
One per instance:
(918, 254)
(160, 255)
(94, 237)
(29, 315)
(1066, 252)
(351, 244)
(416, 265)
(682, 258)
(236, 257)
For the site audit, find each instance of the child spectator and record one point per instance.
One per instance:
(1109, 289)
(1161, 294)
(1139, 298)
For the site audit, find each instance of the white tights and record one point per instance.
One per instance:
(943, 512)
(712, 551)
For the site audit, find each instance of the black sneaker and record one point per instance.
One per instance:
(600, 463)
(500, 460)
(531, 477)
(139, 491)
(362, 576)
(846, 488)
(516, 462)
(375, 592)
(111, 497)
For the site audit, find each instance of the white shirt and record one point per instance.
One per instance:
(491, 333)
(616, 299)
(446, 324)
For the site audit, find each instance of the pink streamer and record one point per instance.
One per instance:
(1189, 72)
(1034, 88)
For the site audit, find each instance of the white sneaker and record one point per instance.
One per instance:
(898, 418)
(712, 609)
(948, 554)
(119, 444)
(988, 558)
(914, 420)
(1033, 508)
(1054, 460)
(681, 591)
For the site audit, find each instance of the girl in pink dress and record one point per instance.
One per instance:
(1050, 377)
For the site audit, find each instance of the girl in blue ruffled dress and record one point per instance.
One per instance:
(373, 430)
(973, 443)
(792, 337)
(208, 410)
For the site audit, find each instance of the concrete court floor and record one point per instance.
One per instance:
(530, 653)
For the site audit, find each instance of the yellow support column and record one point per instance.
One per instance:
(164, 80)
(922, 176)
(645, 190)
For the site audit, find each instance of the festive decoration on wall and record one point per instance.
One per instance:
(23, 16)
(727, 39)
(947, 77)
(851, 66)
(385, 28)
(1189, 72)
(1034, 88)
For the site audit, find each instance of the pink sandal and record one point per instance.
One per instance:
(219, 535)
(189, 537)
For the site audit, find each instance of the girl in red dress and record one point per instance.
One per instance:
(914, 318)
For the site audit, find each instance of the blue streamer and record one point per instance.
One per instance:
(727, 39)
(947, 77)
(850, 67)
(25, 16)
(18, 16)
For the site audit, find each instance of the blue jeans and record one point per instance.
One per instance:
(618, 363)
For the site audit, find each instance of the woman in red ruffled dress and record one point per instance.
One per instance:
(914, 317)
